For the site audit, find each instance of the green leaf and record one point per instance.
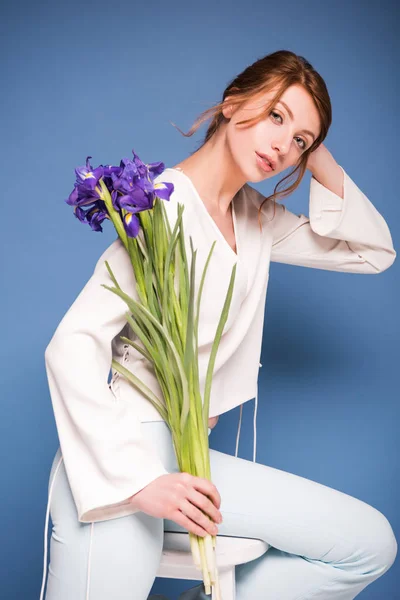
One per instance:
(146, 391)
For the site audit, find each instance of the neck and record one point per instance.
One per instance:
(214, 174)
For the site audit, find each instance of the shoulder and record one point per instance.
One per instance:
(116, 251)
(270, 209)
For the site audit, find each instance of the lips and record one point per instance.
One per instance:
(271, 162)
(263, 164)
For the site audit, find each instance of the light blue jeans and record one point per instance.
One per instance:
(324, 543)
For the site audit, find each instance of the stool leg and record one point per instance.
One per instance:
(227, 584)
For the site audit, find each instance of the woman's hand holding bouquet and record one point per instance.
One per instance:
(176, 496)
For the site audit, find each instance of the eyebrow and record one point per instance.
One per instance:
(292, 117)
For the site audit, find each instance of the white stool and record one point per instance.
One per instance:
(177, 561)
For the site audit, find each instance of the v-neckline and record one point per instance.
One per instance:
(213, 223)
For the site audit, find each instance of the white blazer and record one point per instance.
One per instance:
(107, 459)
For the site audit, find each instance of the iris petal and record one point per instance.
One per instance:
(131, 224)
(156, 168)
(163, 189)
(80, 214)
(73, 197)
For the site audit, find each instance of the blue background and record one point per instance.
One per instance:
(82, 78)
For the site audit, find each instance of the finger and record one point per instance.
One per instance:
(188, 524)
(199, 517)
(205, 504)
(208, 488)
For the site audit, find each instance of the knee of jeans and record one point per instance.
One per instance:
(389, 553)
(383, 544)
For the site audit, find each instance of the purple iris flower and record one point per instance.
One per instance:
(131, 187)
(94, 215)
(86, 187)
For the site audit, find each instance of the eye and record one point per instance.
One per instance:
(275, 114)
(304, 144)
(303, 147)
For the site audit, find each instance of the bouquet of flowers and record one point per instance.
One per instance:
(166, 317)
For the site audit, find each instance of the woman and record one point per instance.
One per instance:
(114, 484)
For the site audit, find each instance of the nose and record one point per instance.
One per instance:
(282, 144)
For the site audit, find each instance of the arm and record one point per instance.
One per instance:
(106, 458)
(341, 234)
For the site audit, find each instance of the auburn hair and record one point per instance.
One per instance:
(278, 70)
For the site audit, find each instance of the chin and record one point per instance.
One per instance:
(263, 176)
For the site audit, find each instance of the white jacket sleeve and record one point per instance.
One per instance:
(341, 234)
(106, 457)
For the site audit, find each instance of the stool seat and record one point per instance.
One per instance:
(177, 561)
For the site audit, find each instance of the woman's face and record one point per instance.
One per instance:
(279, 134)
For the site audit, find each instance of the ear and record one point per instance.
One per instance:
(227, 109)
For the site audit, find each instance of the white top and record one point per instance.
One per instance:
(107, 459)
